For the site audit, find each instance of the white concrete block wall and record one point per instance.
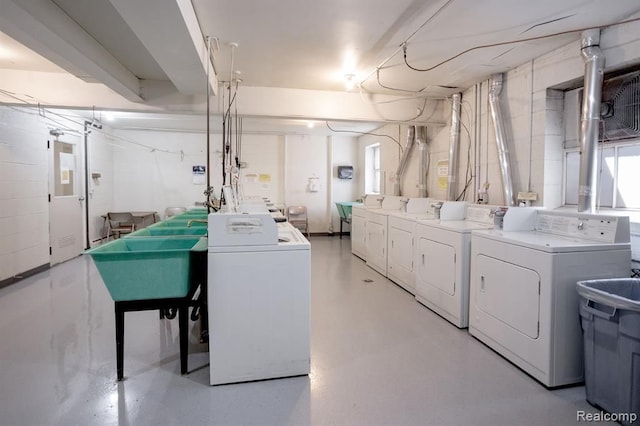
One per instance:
(101, 190)
(306, 157)
(537, 145)
(344, 151)
(24, 187)
(438, 151)
(264, 155)
(153, 170)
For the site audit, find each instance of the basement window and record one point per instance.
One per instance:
(372, 169)
(618, 175)
(618, 143)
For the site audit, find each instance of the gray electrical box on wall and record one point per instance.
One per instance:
(345, 172)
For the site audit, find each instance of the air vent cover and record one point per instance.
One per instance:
(620, 110)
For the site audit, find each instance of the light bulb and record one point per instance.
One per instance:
(349, 83)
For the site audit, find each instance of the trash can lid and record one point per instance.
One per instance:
(620, 293)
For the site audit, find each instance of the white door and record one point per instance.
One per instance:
(66, 199)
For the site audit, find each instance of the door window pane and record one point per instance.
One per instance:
(64, 168)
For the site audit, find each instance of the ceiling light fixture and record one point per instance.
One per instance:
(311, 124)
(349, 83)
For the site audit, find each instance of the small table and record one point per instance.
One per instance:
(144, 219)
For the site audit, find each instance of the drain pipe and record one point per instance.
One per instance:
(590, 120)
(411, 138)
(454, 142)
(501, 139)
(423, 162)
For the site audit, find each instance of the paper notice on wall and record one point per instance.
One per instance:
(65, 176)
(264, 178)
(443, 174)
(199, 175)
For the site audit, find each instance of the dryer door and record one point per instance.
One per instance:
(510, 293)
(440, 266)
(377, 247)
(400, 250)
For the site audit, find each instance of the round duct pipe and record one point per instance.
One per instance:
(501, 139)
(590, 120)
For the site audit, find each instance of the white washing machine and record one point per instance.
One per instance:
(258, 299)
(401, 241)
(443, 261)
(358, 231)
(523, 300)
(376, 226)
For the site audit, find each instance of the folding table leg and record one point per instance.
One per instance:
(183, 325)
(119, 341)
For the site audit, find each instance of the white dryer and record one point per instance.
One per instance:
(443, 261)
(523, 299)
(358, 224)
(376, 225)
(401, 241)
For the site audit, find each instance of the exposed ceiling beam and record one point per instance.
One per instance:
(46, 29)
(170, 31)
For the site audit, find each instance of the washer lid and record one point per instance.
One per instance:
(461, 226)
(547, 242)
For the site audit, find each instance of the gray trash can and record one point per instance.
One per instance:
(610, 317)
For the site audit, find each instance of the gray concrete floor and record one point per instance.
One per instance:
(378, 357)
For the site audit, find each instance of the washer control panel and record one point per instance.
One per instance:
(607, 229)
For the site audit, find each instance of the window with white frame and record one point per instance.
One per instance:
(618, 176)
(372, 169)
(618, 143)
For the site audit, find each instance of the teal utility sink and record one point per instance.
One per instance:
(189, 215)
(149, 268)
(183, 223)
(167, 231)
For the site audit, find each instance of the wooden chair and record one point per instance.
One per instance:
(119, 223)
(297, 216)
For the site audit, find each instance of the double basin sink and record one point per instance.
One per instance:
(164, 260)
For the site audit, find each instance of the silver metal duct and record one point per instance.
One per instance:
(423, 161)
(411, 138)
(590, 120)
(501, 139)
(454, 142)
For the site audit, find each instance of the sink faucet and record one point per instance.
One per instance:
(197, 221)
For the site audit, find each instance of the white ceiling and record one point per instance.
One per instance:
(296, 44)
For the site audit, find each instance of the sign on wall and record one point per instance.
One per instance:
(443, 174)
